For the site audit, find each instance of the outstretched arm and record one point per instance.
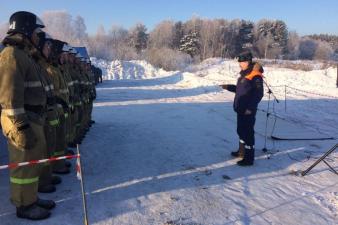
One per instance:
(229, 87)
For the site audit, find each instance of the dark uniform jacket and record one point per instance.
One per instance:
(249, 89)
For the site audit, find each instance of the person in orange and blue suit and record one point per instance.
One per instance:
(249, 92)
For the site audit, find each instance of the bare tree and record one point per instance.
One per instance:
(62, 26)
(307, 48)
(162, 35)
(138, 37)
(167, 58)
(58, 24)
(118, 41)
(98, 44)
(80, 36)
(207, 40)
(323, 51)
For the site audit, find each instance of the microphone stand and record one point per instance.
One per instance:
(270, 92)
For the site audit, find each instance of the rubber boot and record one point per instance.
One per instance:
(46, 204)
(62, 171)
(56, 180)
(68, 164)
(49, 188)
(240, 152)
(249, 157)
(32, 212)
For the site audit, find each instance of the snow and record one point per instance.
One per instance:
(135, 69)
(159, 152)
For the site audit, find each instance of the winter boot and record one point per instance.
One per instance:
(32, 212)
(62, 171)
(56, 180)
(240, 152)
(49, 188)
(249, 157)
(68, 164)
(45, 204)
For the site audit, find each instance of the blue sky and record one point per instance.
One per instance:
(303, 16)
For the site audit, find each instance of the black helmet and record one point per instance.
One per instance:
(245, 57)
(24, 23)
(43, 38)
(58, 47)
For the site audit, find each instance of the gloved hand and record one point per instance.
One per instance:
(229, 87)
(224, 86)
(23, 137)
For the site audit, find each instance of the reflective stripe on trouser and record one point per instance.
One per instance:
(50, 133)
(24, 180)
(60, 145)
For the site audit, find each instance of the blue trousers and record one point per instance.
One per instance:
(245, 128)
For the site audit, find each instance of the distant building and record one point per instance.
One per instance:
(83, 51)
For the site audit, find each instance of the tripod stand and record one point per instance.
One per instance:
(268, 113)
(322, 159)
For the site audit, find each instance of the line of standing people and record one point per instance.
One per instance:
(47, 91)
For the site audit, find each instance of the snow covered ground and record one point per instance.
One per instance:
(136, 69)
(159, 152)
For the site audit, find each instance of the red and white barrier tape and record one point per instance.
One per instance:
(34, 162)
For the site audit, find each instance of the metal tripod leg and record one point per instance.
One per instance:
(266, 125)
(322, 159)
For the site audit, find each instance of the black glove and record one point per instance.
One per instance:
(229, 87)
(224, 86)
(23, 137)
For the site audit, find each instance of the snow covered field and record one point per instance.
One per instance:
(159, 152)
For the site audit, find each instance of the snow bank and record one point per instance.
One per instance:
(135, 69)
(215, 71)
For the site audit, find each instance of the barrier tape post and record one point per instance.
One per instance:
(79, 176)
